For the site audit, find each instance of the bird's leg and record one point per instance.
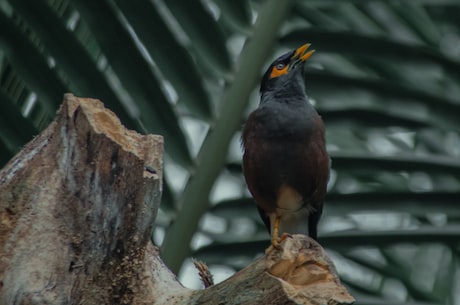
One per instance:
(276, 240)
(275, 233)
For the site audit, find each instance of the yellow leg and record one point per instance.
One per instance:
(276, 239)
(275, 233)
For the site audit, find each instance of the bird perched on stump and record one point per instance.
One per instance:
(285, 162)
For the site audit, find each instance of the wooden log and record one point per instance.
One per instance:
(77, 208)
(299, 272)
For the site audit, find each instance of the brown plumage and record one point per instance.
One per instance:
(285, 162)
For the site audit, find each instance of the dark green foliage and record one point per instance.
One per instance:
(385, 79)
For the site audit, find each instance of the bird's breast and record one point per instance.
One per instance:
(284, 121)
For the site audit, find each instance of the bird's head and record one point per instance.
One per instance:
(286, 72)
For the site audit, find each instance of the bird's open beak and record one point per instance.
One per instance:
(300, 55)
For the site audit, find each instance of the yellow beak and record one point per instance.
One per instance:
(301, 54)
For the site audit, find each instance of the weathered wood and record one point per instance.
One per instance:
(77, 208)
(298, 273)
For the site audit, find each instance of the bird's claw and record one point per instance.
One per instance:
(276, 241)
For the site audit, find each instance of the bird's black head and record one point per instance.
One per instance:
(286, 70)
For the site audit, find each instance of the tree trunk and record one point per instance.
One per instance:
(77, 208)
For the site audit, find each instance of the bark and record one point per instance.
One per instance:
(77, 208)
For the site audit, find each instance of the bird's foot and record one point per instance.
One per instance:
(276, 241)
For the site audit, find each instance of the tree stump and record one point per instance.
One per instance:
(77, 208)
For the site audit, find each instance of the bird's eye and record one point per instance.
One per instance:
(278, 70)
(280, 66)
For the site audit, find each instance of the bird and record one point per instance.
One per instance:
(285, 162)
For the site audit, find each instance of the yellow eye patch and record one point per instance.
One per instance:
(278, 70)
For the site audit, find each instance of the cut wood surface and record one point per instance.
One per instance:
(77, 209)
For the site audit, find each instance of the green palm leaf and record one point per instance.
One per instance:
(384, 78)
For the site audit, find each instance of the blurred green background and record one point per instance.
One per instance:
(385, 78)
